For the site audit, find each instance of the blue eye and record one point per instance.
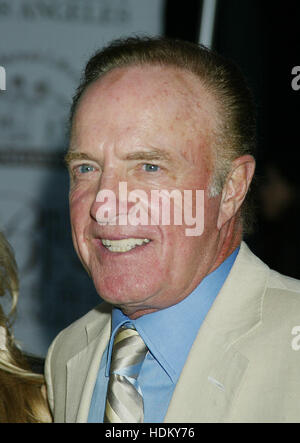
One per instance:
(83, 169)
(148, 167)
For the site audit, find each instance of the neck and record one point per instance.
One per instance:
(230, 239)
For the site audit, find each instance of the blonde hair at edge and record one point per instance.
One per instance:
(22, 399)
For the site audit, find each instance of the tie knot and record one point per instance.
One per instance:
(129, 351)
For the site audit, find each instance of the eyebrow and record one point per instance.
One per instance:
(72, 155)
(155, 154)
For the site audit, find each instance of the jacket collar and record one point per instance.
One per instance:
(82, 369)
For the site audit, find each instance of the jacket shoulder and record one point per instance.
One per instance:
(279, 281)
(74, 338)
(282, 301)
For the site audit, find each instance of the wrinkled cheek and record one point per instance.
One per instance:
(78, 223)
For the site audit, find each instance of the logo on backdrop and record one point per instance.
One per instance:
(296, 78)
(104, 12)
(34, 109)
(2, 79)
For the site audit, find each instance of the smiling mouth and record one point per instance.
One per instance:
(124, 245)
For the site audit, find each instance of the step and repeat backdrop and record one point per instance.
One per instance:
(44, 45)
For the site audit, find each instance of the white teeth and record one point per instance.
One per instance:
(123, 245)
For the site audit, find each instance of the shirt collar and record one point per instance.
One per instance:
(169, 333)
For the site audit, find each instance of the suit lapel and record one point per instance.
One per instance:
(82, 369)
(207, 385)
(214, 369)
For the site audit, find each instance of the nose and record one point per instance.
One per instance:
(106, 194)
(111, 204)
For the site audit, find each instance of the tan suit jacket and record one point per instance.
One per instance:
(244, 365)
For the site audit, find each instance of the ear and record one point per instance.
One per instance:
(235, 188)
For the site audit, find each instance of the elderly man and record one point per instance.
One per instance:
(193, 327)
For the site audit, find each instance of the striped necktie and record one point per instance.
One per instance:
(124, 400)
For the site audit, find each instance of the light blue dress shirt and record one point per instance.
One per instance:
(169, 335)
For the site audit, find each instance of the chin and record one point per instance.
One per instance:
(125, 292)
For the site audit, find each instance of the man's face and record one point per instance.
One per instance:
(150, 127)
